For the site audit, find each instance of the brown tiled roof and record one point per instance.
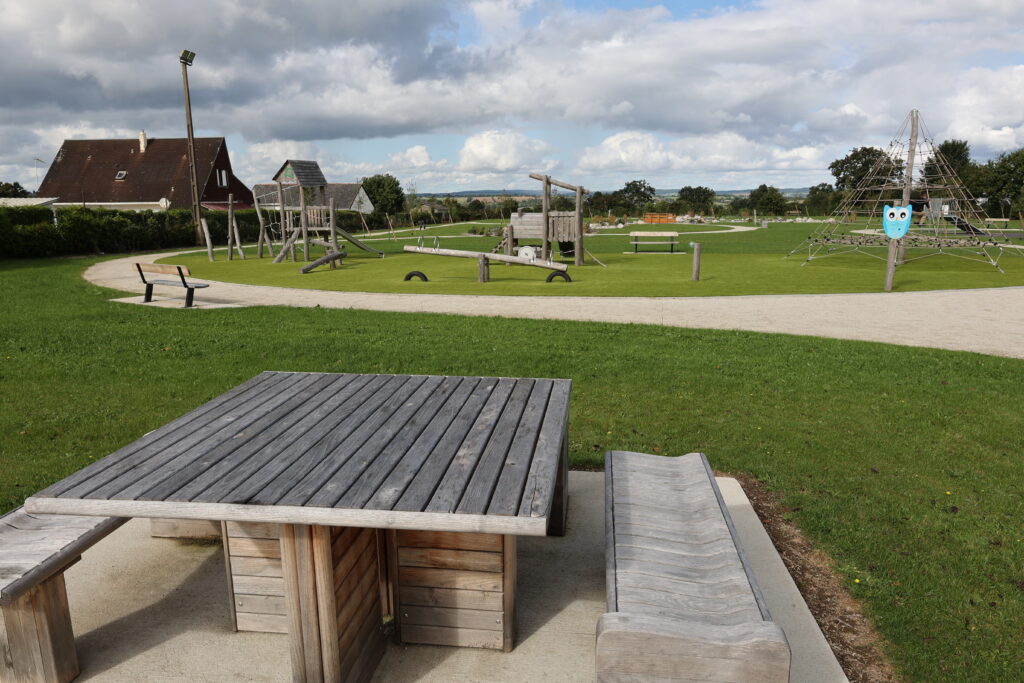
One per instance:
(87, 170)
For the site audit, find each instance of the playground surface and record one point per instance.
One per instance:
(989, 321)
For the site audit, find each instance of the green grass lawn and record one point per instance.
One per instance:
(902, 464)
(732, 264)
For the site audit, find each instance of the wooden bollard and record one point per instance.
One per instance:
(696, 260)
(890, 264)
(483, 270)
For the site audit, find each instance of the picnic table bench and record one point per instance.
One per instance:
(642, 238)
(683, 603)
(181, 271)
(36, 640)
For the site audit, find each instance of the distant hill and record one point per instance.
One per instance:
(535, 192)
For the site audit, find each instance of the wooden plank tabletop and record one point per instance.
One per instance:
(386, 451)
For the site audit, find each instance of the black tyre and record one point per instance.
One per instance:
(414, 273)
(555, 273)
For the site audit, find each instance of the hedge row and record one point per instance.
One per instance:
(32, 232)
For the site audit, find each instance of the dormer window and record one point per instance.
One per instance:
(120, 175)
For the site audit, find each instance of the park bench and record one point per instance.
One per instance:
(683, 603)
(36, 640)
(180, 271)
(643, 238)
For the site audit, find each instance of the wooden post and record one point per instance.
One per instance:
(36, 640)
(483, 269)
(908, 182)
(696, 261)
(238, 238)
(545, 249)
(206, 235)
(303, 223)
(280, 206)
(578, 247)
(233, 230)
(334, 231)
(890, 264)
(228, 225)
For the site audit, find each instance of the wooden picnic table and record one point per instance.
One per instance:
(348, 497)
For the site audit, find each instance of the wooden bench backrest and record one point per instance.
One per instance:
(654, 234)
(162, 268)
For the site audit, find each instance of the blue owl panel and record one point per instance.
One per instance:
(896, 220)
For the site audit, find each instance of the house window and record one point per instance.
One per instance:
(222, 178)
(120, 175)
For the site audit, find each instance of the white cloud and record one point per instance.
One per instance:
(502, 151)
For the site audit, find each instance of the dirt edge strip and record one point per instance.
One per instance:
(853, 639)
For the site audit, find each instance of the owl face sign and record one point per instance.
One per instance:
(896, 220)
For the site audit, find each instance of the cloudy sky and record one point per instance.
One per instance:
(471, 95)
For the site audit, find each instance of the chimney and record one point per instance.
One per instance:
(142, 141)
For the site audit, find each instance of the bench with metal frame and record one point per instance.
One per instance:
(180, 271)
(634, 239)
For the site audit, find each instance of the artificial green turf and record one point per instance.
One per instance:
(862, 441)
(731, 264)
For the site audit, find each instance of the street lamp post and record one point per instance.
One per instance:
(186, 58)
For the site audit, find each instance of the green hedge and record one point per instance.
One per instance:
(31, 232)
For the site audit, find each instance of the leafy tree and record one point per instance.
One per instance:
(1006, 183)
(385, 192)
(561, 202)
(768, 200)
(602, 202)
(697, 199)
(13, 190)
(739, 204)
(851, 170)
(509, 206)
(822, 199)
(454, 210)
(957, 154)
(636, 193)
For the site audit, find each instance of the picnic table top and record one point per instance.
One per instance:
(478, 454)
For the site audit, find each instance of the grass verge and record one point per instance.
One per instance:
(902, 464)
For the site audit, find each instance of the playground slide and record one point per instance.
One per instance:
(356, 242)
(963, 225)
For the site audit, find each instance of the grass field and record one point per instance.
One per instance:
(902, 464)
(732, 264)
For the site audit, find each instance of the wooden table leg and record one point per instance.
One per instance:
(334, 607)
(560, 506)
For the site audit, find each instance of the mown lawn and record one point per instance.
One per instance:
(731, 264)
(902, 464)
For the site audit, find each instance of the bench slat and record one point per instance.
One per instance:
(164, 268)
(35, 547)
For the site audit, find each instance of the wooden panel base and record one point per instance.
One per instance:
(252, 554)
(455, 588)
(184, 528)
(36, 641)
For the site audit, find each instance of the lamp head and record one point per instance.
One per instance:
(186, 57)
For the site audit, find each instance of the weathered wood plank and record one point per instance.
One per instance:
(265, 466)
(449, 578)
(152, 480)
(512, 442)
(461, 637)
(431, 447)
(235, 416)
(259, 585)
(256, 566)
(451, 597)
(349, 566)
(388, 441)
(261, 604)
(184, 528)
(291, 420)
(509, 589)
(445, 496)
(453, 541)
(450, 559)
(529, 440)
(448, 617)
(326, 607)
(253, 530)
(255, 547)
(373, 466)
(539, 489)
(165, 434)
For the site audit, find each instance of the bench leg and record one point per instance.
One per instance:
(149, 293)
(39, 644)
(560, 505)
(188, 297)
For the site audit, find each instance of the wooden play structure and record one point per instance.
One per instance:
(564, 227)
(659, 218)
(298, 208)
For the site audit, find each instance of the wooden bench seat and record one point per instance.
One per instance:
(36, 640)
(643, 238)
(683, 604)
(181, 271)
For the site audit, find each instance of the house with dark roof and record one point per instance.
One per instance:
(147, 173)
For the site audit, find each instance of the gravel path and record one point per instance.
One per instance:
(982, 320)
